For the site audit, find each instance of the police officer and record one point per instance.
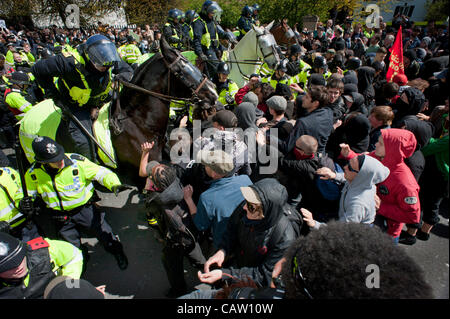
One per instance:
(172, 29)
(130, 53)
(121, 49)
(190, 17)
(256, 9)
(14, 212)
(27, 268)
(17, 97)
(61, 45)
(206, 36)
(320, 66)
(245, 22)
(84, 83)
(65, 183)
(225, 87)
(296, 64)
(279, 75)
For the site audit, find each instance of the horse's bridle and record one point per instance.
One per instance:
(194, 99)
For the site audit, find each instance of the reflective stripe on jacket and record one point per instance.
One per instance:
(72, 186)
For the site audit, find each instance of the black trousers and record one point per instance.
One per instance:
(92, 218)
(72, 137)
(172, 259)
(433, 188)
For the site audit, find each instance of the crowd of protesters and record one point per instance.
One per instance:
(350, 146)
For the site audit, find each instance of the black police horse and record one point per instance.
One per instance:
(141, 112)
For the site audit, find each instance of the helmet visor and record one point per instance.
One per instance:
(216, 10)
(103, 54)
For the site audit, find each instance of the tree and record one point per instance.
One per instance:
(437, 10)
(89, 10)
(142, 12)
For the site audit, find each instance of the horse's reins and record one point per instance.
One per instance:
(165, 97)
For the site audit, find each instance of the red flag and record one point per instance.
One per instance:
(396, 58)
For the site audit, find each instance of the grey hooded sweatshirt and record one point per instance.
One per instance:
(357, 203)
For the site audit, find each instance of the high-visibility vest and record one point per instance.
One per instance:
(83, 95)
(206, 37)
(131, 53)
(174, 35)
(10, 195)
(72, 186)
(17, 103)
(65, 258)
(231, 90)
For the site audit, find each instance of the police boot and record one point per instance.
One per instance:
(116, 249)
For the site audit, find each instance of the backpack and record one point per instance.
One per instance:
(329, 189)
(293, 217)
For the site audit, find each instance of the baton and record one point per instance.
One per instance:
(81, 126)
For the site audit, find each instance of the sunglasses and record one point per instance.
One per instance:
(252, 208)
(351, 169)
(299, 279)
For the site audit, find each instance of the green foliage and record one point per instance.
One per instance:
(437, 10)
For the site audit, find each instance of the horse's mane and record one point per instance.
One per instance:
(140, 72)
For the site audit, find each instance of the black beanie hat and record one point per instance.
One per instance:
(12, 252)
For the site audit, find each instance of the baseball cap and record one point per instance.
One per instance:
(217, 160)
(250, 195)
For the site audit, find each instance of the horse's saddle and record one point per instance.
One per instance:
(44, 118)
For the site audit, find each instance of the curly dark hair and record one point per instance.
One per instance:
(334, 259)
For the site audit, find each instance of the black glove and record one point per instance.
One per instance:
(4, 227)
(203, 57)
(119, 188)
(229, 98)
(26, 206)
(124, 76)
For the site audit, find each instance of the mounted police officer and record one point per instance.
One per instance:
(83, 84)
(206, 36)
(256, 9)
(190, 17)
(65, 184)
(27, 268)
(225, 87)
(172, 29)
(245, 22)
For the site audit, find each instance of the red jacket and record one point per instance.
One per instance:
(399, 193)
(240, 95)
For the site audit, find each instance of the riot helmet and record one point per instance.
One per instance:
(100, 51)
(247, 11)
(190, 16)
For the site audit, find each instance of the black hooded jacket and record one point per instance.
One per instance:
(366, 75)
(416, 103)
(255, 249)
(423, 131)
